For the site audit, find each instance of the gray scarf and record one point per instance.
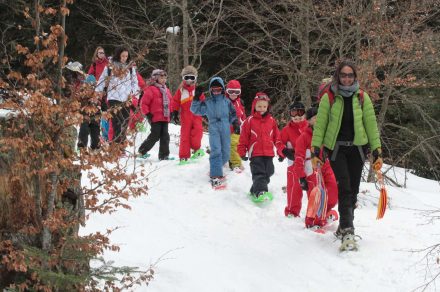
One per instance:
(346, 91)
(165, 100)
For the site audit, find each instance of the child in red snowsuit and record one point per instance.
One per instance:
(259, 134)
(191, 130)
(233, 92)
(289, 135)
(307, 177)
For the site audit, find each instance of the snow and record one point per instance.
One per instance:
(7, 114)
(204, 240)
(173, 29)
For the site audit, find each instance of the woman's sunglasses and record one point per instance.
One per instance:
(346, 75)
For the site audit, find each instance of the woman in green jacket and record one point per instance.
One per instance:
(345, 125)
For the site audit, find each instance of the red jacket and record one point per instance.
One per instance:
(303, 164)
(259, 134)
(183, 97)
(152, 103)
(291, 132)
(99, 65)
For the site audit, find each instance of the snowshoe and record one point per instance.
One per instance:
(166, 158)
(261, 197)
(316, 229)
(349, 241)
(218, 183)
(332, 216)
(197, 154)
(142, 156)
(238, 169)
(184, 161)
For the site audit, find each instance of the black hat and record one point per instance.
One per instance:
(297, 105)
(311, 112)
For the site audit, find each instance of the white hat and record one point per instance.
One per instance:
(75, 66)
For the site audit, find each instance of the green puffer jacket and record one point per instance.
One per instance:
(328, 122)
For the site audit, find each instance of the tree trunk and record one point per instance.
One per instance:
(61, 48)
(305, 59)
(185, 33)
(173, 61)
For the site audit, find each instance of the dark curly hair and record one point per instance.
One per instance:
(118, 52)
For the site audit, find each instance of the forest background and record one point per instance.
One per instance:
(284, 48)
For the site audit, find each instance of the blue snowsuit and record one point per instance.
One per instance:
(221, 114)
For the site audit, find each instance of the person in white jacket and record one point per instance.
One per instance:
(119, 82)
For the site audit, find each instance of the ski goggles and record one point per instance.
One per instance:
(297, 113)
(217, 90)
(263, 97)
(189, 77)
(231, 91)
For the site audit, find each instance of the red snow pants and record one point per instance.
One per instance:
(294, 193)
(191, 133)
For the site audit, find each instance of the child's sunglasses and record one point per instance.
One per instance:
(233, 91)
(297, 113)
(216, 90)
(189, 77)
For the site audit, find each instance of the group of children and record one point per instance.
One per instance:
(257, 138)
(233, 137)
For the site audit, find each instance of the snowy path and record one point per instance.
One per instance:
(220, 241)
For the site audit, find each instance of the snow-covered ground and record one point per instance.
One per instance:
(205, 240)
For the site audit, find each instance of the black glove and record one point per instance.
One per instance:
(304, 184)
(150, 118)
(175, 117)
(280, 159)
(236, 126)
(199, 91)
(289, 153)
(244, 158)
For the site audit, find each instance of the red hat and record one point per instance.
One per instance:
(262, 95)
(235, 84)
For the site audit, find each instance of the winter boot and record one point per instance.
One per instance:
(348, 239)
(218, 183)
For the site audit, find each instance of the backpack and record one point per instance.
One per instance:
(326, 88)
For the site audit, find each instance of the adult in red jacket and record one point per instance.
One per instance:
(259, 134)
(233, 92)
(307, 177)
(91, 126)
(156, 105)
(99, 61)
(289, 134)
(191, 128)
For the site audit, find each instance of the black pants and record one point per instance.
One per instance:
(119, 120)
(347, 166)
(90, 126)
(159, 131)
(262, 169)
